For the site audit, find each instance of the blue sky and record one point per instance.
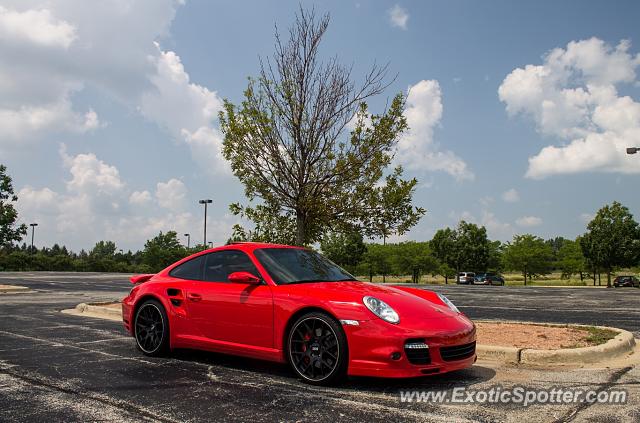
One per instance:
(519, 111)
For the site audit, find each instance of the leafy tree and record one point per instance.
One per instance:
(571, 261)
(612, 239)
(161, 251)
(9, 231)
(528, 254)
(376, 260)
(287, 141)
(414, 258)
(464, 248)
(494, 262)
(444, 245)
(391, 209)
(103, 249)
(344, 249)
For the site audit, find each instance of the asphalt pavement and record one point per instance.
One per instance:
(58, 367)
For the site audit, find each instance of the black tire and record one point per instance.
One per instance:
(151, 329)
(316, 349)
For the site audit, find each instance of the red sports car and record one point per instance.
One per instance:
(290, 304)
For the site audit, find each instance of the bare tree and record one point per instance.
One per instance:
(288, 141)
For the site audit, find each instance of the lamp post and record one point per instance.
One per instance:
(33, 229)
(633, 150)
(188, 240)
(205, 202)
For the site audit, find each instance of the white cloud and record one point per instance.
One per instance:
(417, 149)
(511, 196)
(172, 195)
(398, 17)
(573, 96)
(140, 198)
(528, 221)
(91, 175)
(53, 50)
(96, 204)
(35, 26)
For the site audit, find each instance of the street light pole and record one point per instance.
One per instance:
(33, 229)
(205, 202)
(188, 240)
(633, 150)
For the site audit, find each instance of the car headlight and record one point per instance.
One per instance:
(381, 309)
(448, 303)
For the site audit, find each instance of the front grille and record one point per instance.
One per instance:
(417, 352)
(458, 352)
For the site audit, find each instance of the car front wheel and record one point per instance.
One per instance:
(317, 349)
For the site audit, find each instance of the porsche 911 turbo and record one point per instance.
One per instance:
(292, 305)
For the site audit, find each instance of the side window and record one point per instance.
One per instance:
(191, 269)
(221, 264)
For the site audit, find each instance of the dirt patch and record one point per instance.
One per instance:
(541, 337)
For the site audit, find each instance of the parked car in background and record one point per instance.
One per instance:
(631, 281)
(488, 279)
(465, 278)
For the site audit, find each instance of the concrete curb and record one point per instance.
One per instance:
(97, 310)
(622, 345)
(13, 289)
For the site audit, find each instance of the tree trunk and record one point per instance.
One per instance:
(599, 280)
(300, 228)
(384, 270)
(446, 280)
(581, 277)
(524, 273)
(609, 278)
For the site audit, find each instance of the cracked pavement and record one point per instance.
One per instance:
(57, 367)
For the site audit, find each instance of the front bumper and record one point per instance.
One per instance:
(377, 348)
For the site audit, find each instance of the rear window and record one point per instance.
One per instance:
(191, 269)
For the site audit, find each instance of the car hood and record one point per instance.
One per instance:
(409, 306)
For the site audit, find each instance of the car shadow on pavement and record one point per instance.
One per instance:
(460, 378)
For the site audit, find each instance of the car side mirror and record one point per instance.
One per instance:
(244, 277)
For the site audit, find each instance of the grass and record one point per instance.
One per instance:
(598, 336)
(511, 279)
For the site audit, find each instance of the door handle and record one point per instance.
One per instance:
(194, 297)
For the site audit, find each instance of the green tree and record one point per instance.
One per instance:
(528, 254)
(287, 141)
(414, 258)
(162, 250)
(391, 210)
(103, 249)
(344, 249)
(464, 248)
(9, 231)
(494, 262)
(443, 244)
(376, 260)
(612, 239)
(571, 261)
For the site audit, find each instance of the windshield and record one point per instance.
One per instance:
(293, 265)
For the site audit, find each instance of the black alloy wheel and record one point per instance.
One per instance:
(152, 329)
(317, 349)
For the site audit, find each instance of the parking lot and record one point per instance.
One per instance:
(57, 367)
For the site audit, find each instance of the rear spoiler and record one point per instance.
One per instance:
(135, 279)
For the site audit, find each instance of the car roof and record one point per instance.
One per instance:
(250, 246)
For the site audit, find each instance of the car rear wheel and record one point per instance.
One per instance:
(152, 329)
(317, 349)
